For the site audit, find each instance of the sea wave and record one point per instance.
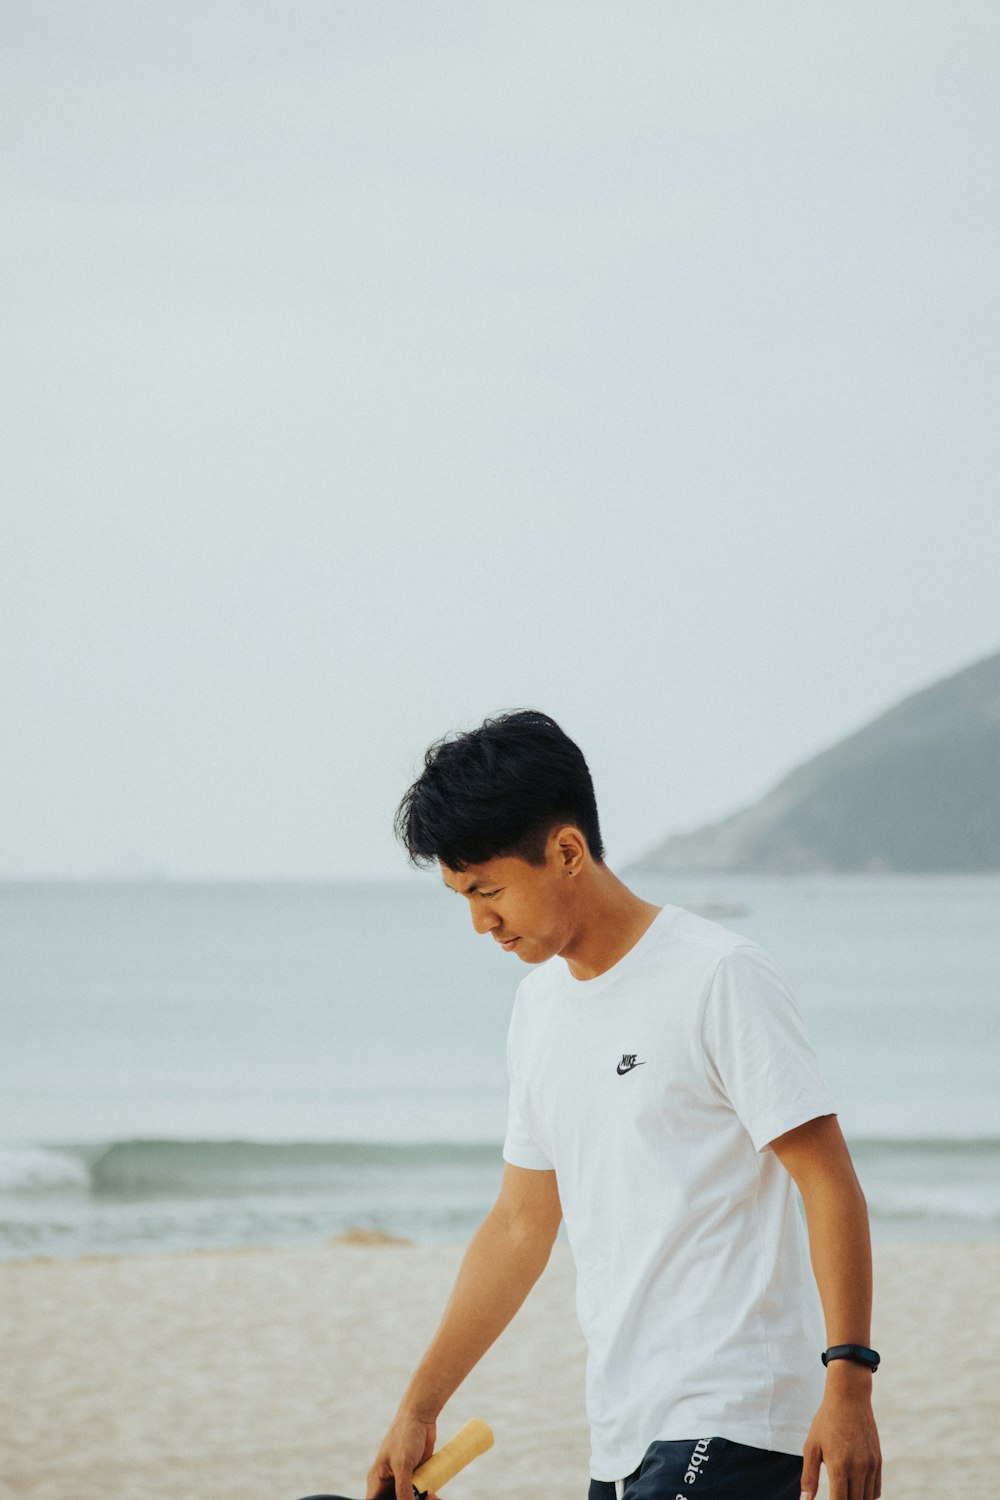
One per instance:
(34, 1169)
(931, 1180)
(902, 1178)
(185, 1167)
(931, 1145)
(976, 1203)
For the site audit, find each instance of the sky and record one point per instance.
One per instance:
(370, 368)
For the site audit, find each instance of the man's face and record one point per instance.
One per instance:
(524, 907)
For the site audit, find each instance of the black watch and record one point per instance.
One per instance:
(856, 1352)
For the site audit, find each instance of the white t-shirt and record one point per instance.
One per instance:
(652, 1091)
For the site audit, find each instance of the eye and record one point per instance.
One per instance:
(489, 895)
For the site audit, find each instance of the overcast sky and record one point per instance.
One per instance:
(371, 367)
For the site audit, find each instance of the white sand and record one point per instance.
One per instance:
(268, 1375)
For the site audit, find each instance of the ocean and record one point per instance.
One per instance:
(204, 1065)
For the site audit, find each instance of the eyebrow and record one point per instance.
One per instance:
(468, 889)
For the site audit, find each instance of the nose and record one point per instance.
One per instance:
(484, 920)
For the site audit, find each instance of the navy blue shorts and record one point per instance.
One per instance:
(709, 1469)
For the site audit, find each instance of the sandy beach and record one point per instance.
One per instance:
(270, 1374)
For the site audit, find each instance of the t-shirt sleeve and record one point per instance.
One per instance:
(756, 1048)
(520, 1147)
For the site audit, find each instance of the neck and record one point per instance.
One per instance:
(608, 920)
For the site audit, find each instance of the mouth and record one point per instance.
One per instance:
(508, 944)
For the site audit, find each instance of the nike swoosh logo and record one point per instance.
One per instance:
(624, 1068)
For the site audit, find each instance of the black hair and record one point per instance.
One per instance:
(498, 790)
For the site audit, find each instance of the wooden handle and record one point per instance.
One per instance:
(474, 1439)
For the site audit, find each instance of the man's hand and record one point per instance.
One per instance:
(844, 1437)
(405, 1446)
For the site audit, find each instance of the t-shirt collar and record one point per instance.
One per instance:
(625, 963)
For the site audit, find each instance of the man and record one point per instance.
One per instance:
(663, 1101)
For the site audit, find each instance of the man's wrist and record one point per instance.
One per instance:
(847, 1375)
(420, 1405)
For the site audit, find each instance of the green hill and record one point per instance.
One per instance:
(917, 789)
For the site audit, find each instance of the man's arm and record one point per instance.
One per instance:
(505, 1258)
(843, 1434)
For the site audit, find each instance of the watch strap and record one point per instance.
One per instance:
(857, 1353)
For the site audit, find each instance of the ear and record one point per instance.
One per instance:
(570, 848)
